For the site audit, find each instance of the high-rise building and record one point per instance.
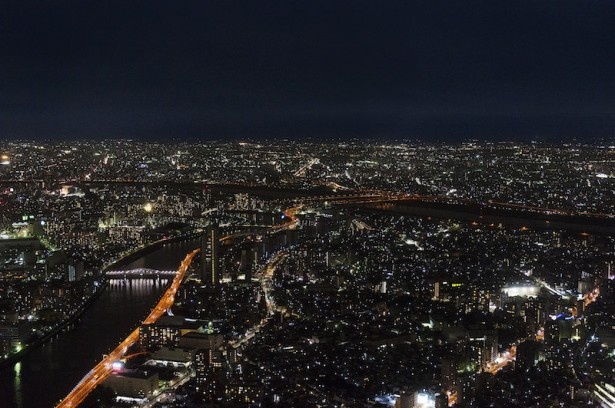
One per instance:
(242, 393)
(207, 364)
(210, 256)
(483, 344)
(405, 400)
(166, 331)
(527, 355)
(448, 373)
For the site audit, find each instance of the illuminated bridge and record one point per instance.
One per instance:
(139, 273)
(104, 368)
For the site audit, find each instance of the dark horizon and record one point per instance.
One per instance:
(228, 70)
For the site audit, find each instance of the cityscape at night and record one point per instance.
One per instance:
(353, 273)
(310, 204)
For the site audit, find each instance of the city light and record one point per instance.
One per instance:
(323, 263)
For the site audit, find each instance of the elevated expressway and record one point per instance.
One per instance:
(98, 374)
(102, 370)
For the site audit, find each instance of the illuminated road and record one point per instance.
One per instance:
(290, 213)
(303, 170)
(592, 296)
(361, 225)
(506, 358)
(102, 370)
(265, 275)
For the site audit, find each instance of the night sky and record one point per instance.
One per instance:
(433, 69)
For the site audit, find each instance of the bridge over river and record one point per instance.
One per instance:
(139, 273)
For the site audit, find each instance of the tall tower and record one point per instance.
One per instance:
(210, 256)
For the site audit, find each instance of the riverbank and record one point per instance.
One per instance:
(97, 375)
(16, 357)
(494, 214)
(146, 249)
(77, 313)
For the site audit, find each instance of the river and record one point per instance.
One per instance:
(48, 373)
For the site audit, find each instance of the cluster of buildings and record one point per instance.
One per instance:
(404, 312)
(199, 345)
(575, 178)
(40, 290)
(340, 303)
(454, 311)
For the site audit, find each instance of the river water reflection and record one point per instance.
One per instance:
(48, 373)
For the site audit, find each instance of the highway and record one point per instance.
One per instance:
(592, 296)
(266, 277)
(102, 370)
(506, 358)
(510, 354)
(303, 170)
(291, 214)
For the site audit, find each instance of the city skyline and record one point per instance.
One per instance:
(340, 274)
(267, 203)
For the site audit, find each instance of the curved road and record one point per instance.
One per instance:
(102, 370)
